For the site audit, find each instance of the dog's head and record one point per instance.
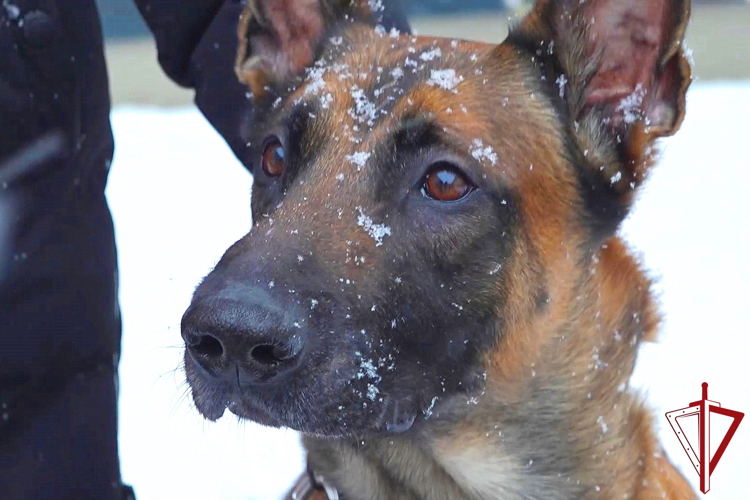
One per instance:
(423, 208)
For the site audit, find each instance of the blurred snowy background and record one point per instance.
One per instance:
(179, 199)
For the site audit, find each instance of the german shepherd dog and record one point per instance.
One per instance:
(433, 291)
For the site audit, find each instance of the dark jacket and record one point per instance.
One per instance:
(196, 43)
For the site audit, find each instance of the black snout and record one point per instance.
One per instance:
(241, 336)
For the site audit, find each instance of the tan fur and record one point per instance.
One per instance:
(546, 364)
(556, 419)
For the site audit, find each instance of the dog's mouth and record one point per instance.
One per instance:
(212, 399)
(395, 416)
(213, 403)
(300, 408)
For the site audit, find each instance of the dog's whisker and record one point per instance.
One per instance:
(175, 372)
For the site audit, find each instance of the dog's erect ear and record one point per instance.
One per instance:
(620, 67)
(278, 39)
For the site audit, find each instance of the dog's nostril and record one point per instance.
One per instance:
(208, 346)
(268, 354)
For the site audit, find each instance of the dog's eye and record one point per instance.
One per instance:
(445, 182)
(273, 158)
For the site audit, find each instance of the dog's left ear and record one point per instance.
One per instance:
(279, 39)
(620, 68)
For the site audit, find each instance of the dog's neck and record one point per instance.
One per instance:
(469, 465)
(559, 424)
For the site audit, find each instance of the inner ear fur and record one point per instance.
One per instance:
(279, 39)
(622, 74)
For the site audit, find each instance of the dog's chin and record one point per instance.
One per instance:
(325, 412)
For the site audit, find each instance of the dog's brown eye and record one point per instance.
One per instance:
(445, 183)
(273, 158)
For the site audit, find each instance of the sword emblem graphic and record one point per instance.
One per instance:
(701, 458)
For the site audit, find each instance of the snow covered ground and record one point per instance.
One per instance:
(180, 198)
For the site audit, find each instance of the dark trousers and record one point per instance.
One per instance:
(59, 320)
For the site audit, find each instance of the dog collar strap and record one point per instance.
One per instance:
(311, 486)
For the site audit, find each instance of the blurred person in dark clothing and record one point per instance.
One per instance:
(59, 317)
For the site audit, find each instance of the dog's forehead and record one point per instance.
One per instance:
(366, 86)
(375, 77)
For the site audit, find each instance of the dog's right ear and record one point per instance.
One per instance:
(279, 39)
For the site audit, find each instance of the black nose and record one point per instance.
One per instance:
(241, 336)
